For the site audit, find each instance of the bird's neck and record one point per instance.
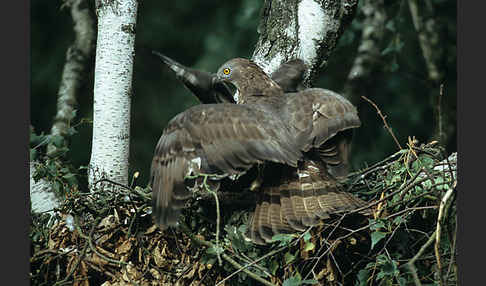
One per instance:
(255, 93)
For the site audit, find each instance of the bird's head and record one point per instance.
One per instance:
(247, 78)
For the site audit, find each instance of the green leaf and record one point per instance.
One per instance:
(214, 250)
(273, 267)
(363, 276)
(70, 178)
(57, 140)
(398, 220)
(440, 180)
(284, 239)
(56, 186)
(292, 281)
(376, 224)
(297, 280)
(73, 113)
(71, 131)
(309, 281)
(390, 268)
(307, 236)
(289, 257)
(376, 237)
(309, 246)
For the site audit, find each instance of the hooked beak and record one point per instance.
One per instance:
(216, 81)
(224, 87)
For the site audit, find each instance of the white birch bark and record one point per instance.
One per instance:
(42, 197)
(304, 29)
(112, 90)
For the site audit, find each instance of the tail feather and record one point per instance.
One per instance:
(292, 207)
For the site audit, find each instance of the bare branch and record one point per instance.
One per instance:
(78, 57)
(383, 117)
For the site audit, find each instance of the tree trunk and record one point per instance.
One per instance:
(304, 29)
(42, 197)
(430, 34)
(369, 54)
(112, 90)
(78, 58)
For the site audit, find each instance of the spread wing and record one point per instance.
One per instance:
(217, 139)
(322, 122)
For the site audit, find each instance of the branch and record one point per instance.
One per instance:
(383, 117)
(369, 54)
(429, 36)
(443, 209)
(306, 29)
(78, 57)
(226, 257)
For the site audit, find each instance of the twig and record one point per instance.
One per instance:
(439, 115)
(93, 247)
(444, 206)
(410, 263)
(432, 238)
(453, 251)
(81, 256)
(226, 257)
(218, 219)
(384, 121)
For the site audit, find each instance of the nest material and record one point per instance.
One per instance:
(108, 237)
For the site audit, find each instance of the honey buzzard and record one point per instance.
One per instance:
(300, 139)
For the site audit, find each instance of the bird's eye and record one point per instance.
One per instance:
(226, 71)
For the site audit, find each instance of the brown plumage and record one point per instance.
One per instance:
(302, 140)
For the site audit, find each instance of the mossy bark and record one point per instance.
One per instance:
(304, 29)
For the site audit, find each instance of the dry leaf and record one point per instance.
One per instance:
(151, 229)
(125, 247)
(158, 257)
(155, 273)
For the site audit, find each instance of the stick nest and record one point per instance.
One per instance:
(108, 237)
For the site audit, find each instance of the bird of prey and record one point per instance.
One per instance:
(300, 138)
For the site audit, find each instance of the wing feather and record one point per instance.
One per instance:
(215, 139)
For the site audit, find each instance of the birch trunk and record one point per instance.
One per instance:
(78, 57)
(304, 29)
(112, 90)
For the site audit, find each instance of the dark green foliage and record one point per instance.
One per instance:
(54, 167)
